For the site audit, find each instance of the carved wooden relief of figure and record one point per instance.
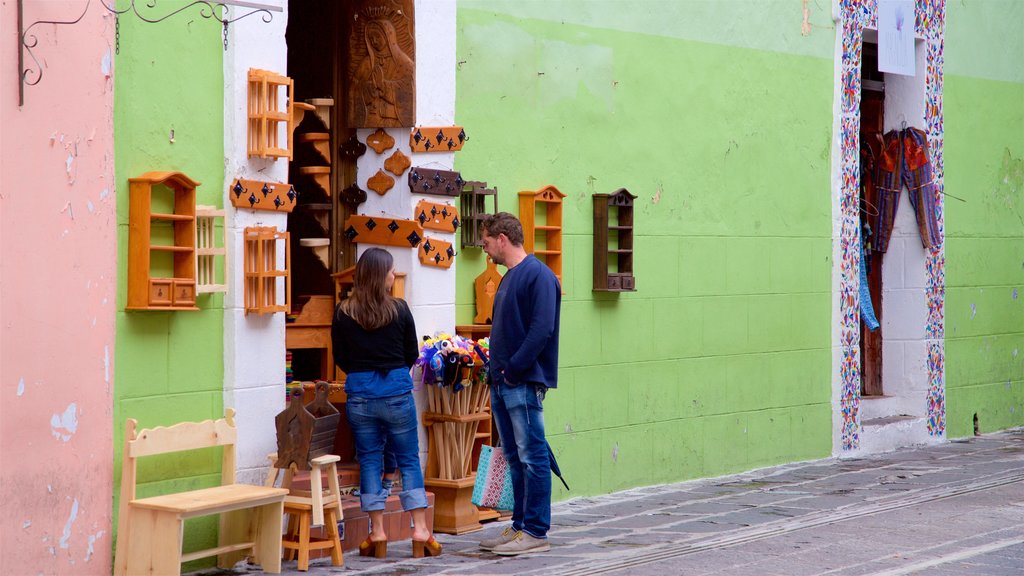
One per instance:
(382, 69)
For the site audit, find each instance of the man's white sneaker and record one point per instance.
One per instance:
(522, 543)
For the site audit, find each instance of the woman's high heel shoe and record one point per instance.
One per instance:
(375, 548)
(421, 548)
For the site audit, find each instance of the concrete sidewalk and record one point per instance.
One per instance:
(955, 508)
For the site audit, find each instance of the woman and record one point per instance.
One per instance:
(375, 344)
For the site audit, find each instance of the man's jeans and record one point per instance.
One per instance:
(519, 414)
(394, 418)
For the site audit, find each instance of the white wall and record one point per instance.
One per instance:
(253, 345)
(430, 291)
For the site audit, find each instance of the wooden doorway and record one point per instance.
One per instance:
(872, 111)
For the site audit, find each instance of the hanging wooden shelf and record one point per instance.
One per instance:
(261, 271)
(320, 174)
(613, 242)
(270, 112)
(474, 209)
(541, 215)
(209, 250)
(173, 288)
(260, 195)
(437, 139)
(320, 141)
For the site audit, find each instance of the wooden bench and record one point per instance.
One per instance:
(150, 530)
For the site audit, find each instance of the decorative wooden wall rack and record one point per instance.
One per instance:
(268, 112)
(437, 139)
(543, 240)
(380, 141)
(383, 230)
(474, 208)
(436, 252)
(397, 163)
(352, 197)
(485, 287)
(177, 292)
(208, 250)
(380, 183)
(260, 195)
(613, 242)
(435, 216)
(436, 182)
(261, 271)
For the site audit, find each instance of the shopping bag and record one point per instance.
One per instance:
(493, 487)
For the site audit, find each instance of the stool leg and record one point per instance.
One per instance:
(292, 535)
(332, 534)
(304, 520)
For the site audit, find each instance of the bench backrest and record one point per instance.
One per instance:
(178, 438)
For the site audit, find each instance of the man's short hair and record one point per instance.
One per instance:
(504, 223)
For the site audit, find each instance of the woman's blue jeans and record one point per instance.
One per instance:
(374, 421)
(519, 414)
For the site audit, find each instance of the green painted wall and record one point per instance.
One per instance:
(169, 365)
(984, 155)
(720, 361)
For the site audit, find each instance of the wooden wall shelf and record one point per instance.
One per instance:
(209, 250)
(162, 292)
(541, 215)
(474, 209)
(613, 242)
(262, 273)
(267, 114)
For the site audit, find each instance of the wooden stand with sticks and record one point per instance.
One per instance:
(452, 420)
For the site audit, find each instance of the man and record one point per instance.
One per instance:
(523, 365)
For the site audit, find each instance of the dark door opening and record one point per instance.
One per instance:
(872, 115)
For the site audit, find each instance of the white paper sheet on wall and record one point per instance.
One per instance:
(896, 36)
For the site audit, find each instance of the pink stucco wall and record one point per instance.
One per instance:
(58, 256)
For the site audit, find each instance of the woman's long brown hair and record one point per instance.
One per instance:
(370, 305)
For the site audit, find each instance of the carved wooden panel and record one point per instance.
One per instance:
(259, 195)
(382, 63)
(397, 163)
(380, 183)
(485, 287)
(380, 141)
(439, 182)
(434, 216)
(437, 138)
(435, 252)
(383, 230)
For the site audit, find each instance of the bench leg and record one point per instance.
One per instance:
(154, 546)
(268, 537)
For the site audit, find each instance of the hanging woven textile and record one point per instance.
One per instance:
(905, 162)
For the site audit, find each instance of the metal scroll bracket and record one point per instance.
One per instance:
(216, 9)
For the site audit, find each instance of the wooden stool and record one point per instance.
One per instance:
(315, 507)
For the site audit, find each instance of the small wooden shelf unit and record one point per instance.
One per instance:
(543, 238)
(178, 290)
(613, 242)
